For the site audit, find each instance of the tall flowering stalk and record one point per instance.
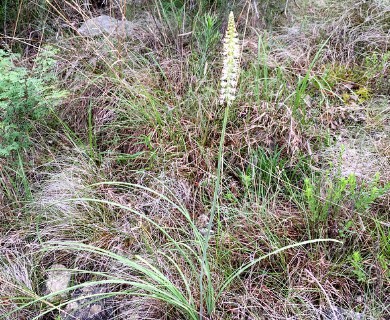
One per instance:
(229, 79)
(231, 63)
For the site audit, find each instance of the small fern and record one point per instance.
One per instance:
(25, 97)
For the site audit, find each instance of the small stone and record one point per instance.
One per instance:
(105, 25)
(337, 313)
(88, 304)
(95, 309)
(202, 221)
(145, 27)
(57, 280)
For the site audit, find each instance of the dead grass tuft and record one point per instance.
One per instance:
(268, 126)
(358, 156)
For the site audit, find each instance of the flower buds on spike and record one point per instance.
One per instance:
(231, 63)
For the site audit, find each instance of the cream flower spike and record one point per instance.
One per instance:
(231, 63)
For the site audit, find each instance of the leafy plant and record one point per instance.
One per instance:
(374, 64)
(206, 35)
(303, 84)
(368, 193)
(25, 96)
(357, 264)
(263, 173)
(334, 194)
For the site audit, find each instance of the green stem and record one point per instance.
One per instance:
(214, 206)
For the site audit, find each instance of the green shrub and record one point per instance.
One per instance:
(357, 264)
(335, 194)
(25, 96)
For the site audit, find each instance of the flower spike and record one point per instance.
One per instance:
(231, 63)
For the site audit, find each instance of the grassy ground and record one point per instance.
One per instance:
(116, 176)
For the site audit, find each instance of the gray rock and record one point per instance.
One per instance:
(337, 313)
(88, 303)
(144, 28)
(57, 280)
(88, 3)
(106, 25)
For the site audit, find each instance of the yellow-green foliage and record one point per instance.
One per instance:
(346, 97)
(363, 94)
(360, 95)
(343, 78)
(341, 73)
(365, 76)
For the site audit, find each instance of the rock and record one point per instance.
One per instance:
(337, 313)
(140, 308)
(144, 27)
(57, 280)
(105, 25)
(87, 304)
(104, 3)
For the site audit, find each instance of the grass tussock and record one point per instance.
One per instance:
(176, 180)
